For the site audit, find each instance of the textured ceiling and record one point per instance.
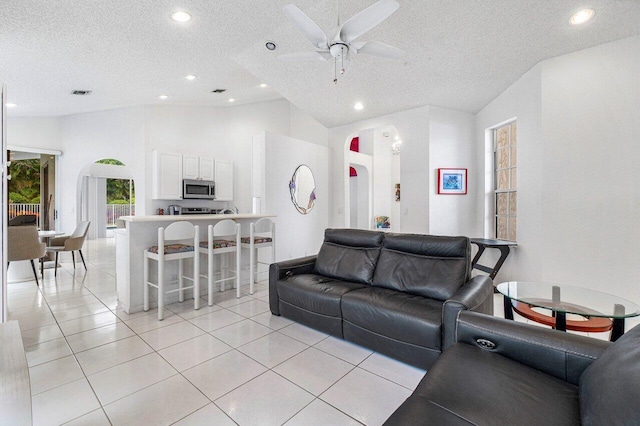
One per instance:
(460, 54)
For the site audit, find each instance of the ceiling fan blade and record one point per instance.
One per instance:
(377, 48)
(309, 28)
(365, 20)
(305, 56)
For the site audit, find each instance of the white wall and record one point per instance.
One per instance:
(297, 234)
(578, 198)
(452, 144)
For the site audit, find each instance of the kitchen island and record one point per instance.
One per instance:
(140, 233)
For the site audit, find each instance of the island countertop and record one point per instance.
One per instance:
(192, 217)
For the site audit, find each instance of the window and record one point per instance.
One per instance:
(505, 181)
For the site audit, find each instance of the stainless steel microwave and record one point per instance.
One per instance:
(198, 189)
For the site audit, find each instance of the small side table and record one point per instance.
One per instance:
(484, 243)
(561, 300)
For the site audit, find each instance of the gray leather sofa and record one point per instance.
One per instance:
(397, 294)
(500, 372)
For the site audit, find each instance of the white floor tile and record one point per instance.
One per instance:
(52, 374)
(223, 373)
(272, 321)
(99, 336)
(41, 335)
(207, 415)
(47, 351)
(186, 311)
(146, 323)
(366, 397)
(88, 323)
(72, 303)
(344, 350)
(250, 308)
(273, 349)
(194, 351)
(126, 317)
(319, 413)
(164, 337)
(216, 320)
(396, 371)
(63, 403)
(266, 400)
(129, 377)
(112, 354)
(80, 311)
(314, 370)
(241, 332)
(303, 333)
(94, 418)
(161, 404)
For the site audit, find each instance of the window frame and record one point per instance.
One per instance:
(510, 191)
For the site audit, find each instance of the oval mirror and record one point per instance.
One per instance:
(303, 189)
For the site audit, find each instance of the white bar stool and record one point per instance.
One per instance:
(223, 237)
(176, 232)
(261, 234)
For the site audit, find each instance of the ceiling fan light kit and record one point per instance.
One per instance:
(342, 46)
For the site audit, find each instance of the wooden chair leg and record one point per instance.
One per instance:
(35, 274)
(55, 273)
(82, 257)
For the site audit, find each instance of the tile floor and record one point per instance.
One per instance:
(231, 363)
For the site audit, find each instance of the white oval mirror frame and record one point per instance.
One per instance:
(303, 189)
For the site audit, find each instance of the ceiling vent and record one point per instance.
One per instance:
(81, 92)
(219, 91)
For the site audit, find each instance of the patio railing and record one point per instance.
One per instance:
(16, 209)
(114, 211)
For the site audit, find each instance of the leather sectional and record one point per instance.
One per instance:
(500, 372)
(398, 294)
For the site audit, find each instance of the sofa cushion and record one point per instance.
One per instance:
(426, 265)
(315, 293)
(349, 254)
(488, 389)
(610, 386)
(405, 317)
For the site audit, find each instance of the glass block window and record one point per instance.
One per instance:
(505, 160)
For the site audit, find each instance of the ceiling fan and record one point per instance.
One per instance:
(341, 42)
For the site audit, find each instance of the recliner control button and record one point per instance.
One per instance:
(485, 344)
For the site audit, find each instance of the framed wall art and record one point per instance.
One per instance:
(452, 181)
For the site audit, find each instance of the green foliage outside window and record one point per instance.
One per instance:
(24, 186)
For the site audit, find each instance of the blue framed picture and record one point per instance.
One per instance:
(452, 181)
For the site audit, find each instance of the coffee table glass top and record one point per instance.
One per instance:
(569, 299)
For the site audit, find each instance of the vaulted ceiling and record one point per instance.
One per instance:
(460, 54)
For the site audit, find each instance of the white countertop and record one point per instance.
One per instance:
(192, 217)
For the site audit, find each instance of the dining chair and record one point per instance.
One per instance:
(72, 243)
(223, 238)
(23, 244)
(262, 234)
(171, 246)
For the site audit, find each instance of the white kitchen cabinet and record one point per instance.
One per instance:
(224, 180)
(167, 176)
(197, 168)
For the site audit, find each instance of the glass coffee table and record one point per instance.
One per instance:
(601, 311)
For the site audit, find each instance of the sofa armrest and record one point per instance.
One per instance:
(557, 353)
(475, 295)
(278, 271)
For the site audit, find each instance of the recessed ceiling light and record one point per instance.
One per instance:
(163, 97)
(358, 106)
(10, 105)
(180, 16)
(263, 85)
(582, 16)
(270, 45)
(190, 77)
(231, 100)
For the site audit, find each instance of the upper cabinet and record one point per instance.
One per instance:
(197, 168)
(167, 176)
(224, 180)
